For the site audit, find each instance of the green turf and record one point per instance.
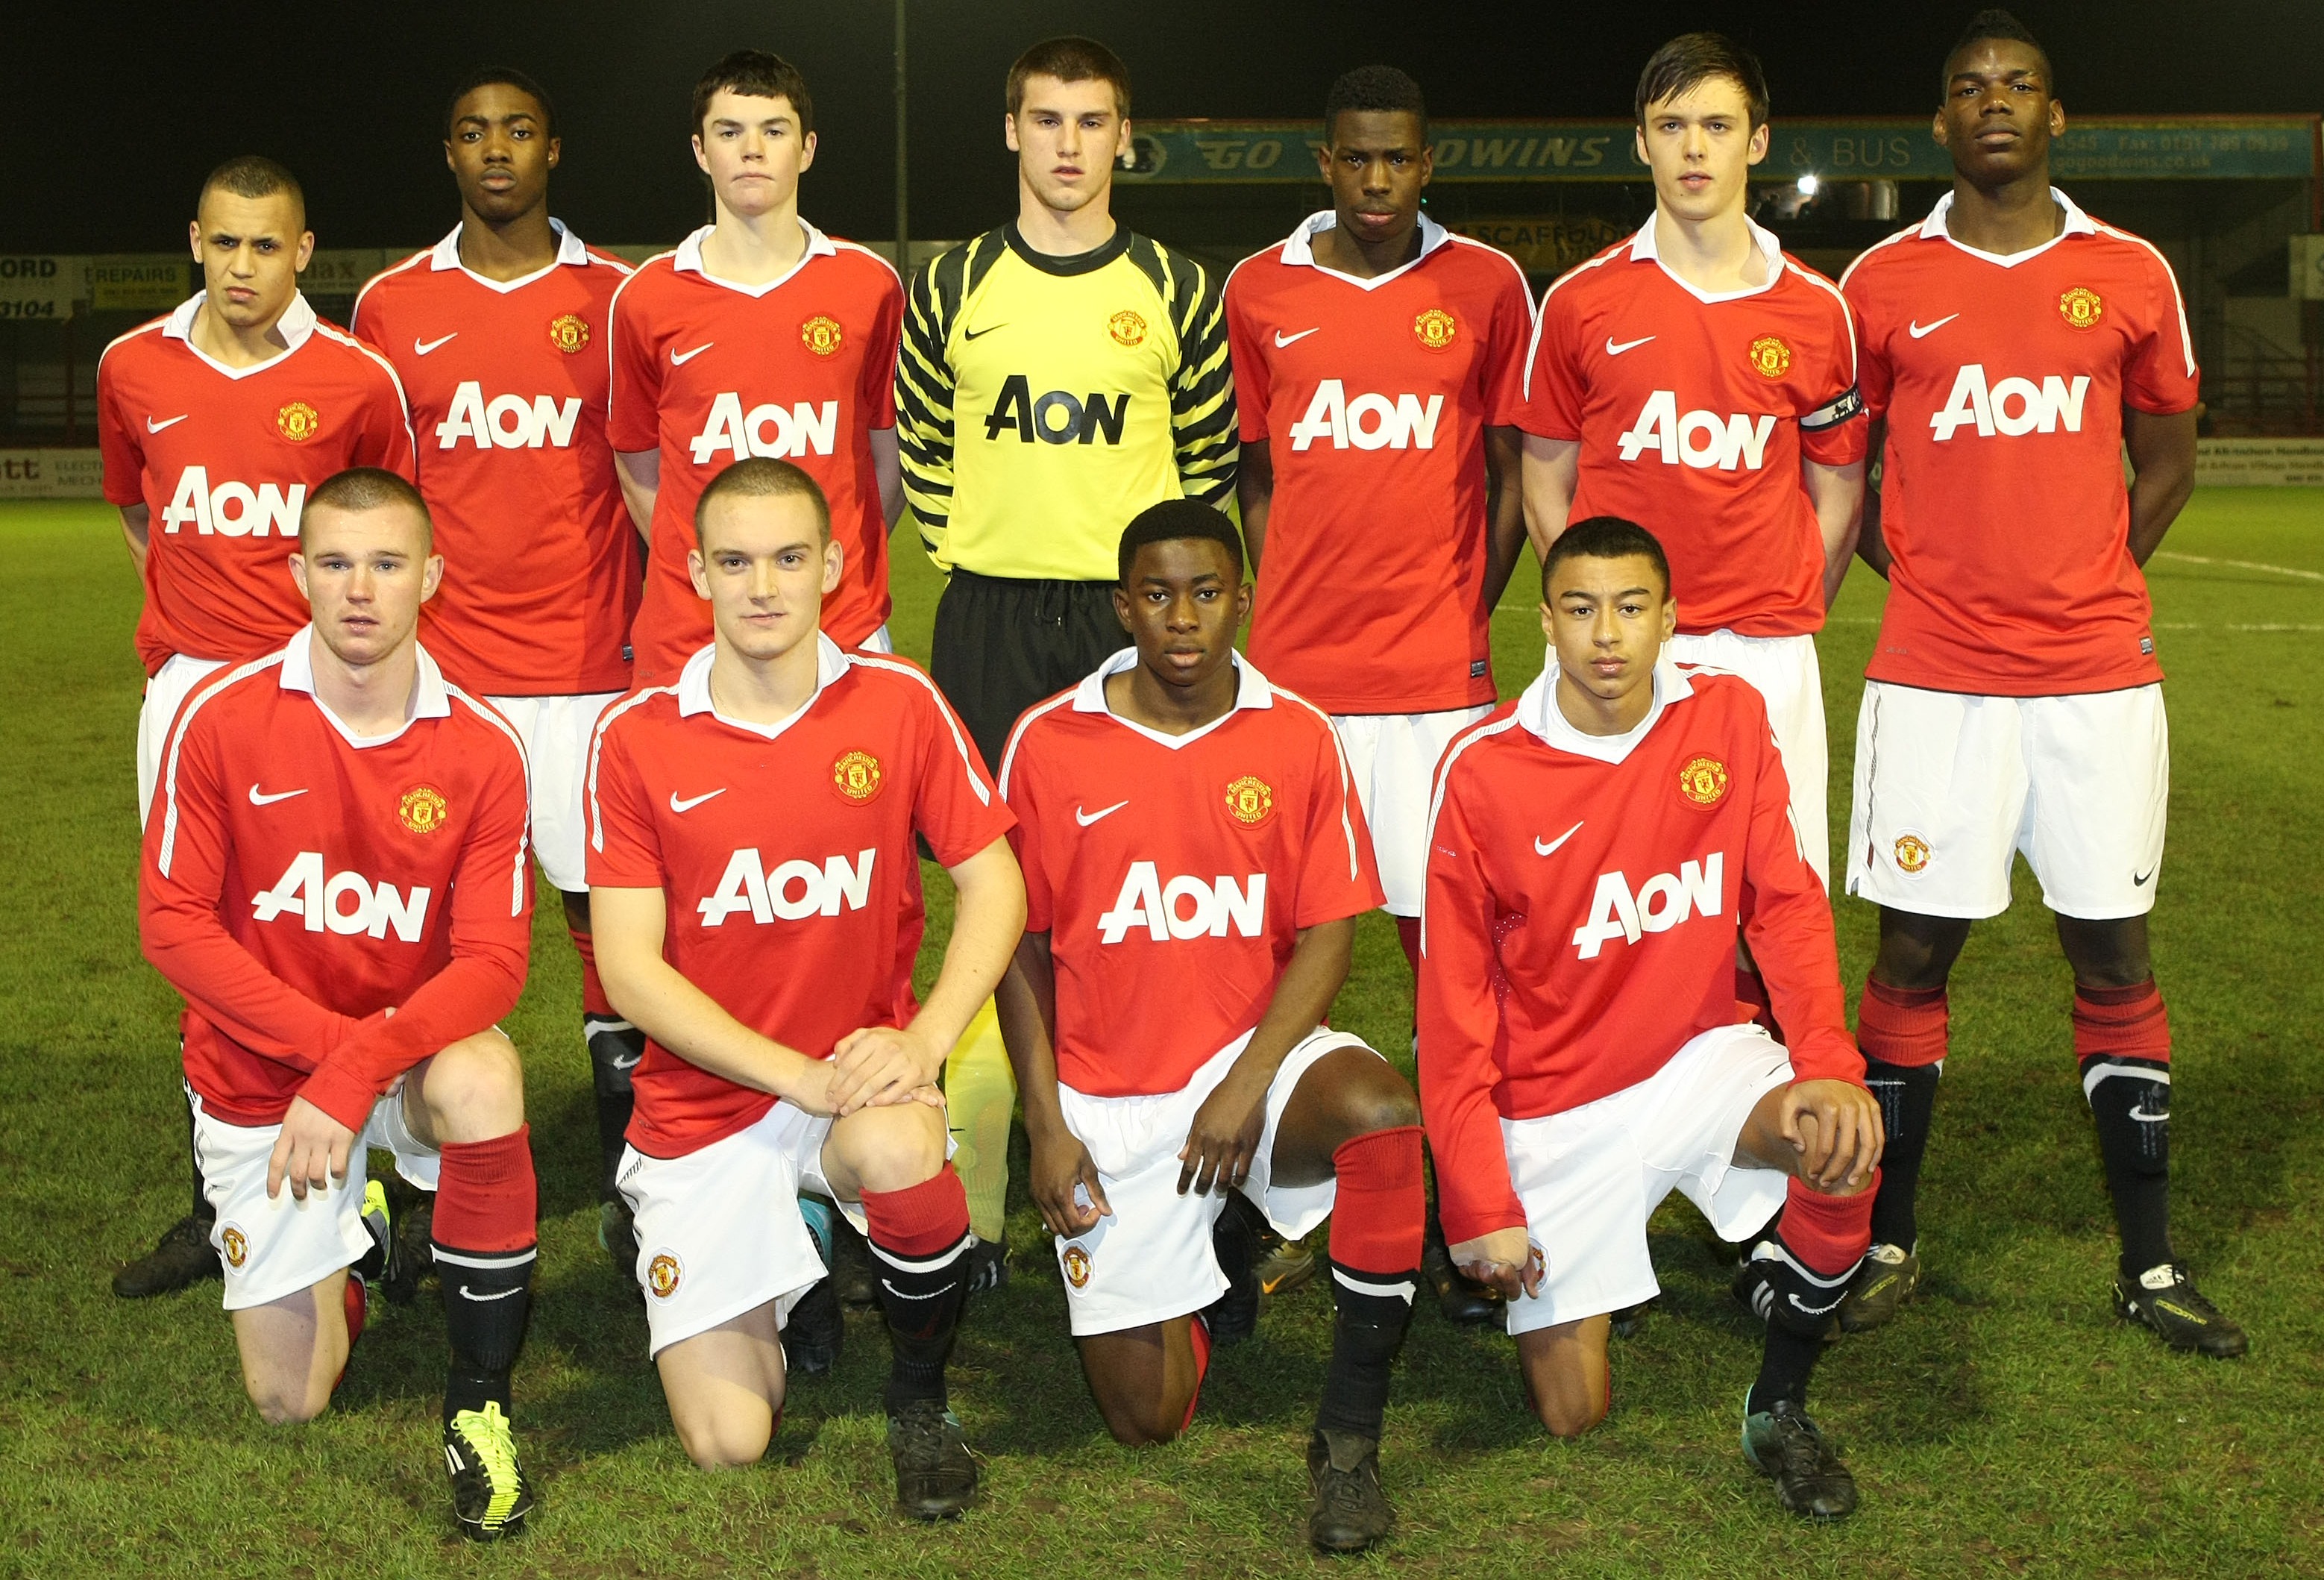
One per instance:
(2004, 1425)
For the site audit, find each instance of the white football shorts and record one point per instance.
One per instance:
(1951, 786)
(1590, 1178)
(1151, 1261)
(556, 732)
(1783, 672)
(165, 692)
(274, 1246)
(1393, 757)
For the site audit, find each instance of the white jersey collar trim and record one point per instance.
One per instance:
(2077, 223)
(1251, 690)
(694, 687)
(430, 698)
(1300, 248)
(569, 253)
(688, 259)
(297, 324)
(1538, 712)
(1643, 250)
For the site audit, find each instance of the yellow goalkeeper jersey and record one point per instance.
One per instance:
(1043, 401)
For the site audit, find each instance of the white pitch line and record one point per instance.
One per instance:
(2240, 564)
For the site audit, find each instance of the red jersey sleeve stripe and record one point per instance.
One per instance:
(1491, 251)
(402, 405)
(1846, 316)
(199, 701)
(944, 709)
(1008, 757)
(524, 835)
(124, 339)
(1906, 234)
(1347, 779)
(2186, 341)
(1436, 798)
(597, 747)
(619, 265)
(848, 247)
(1541, 311)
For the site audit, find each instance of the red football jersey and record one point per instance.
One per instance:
(1173, 872)
(1373, 397)
(298, 883)
(507, 380)
(786, 855)
(1693, 413)
(710, 372)
(223, 457)
(1584, 894)
(2002, 499)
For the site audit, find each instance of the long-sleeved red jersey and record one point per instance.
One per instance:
(1584, 894)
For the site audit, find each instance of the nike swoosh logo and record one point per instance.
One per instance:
(2138, 879)
(1281, 339)
(1542, 848)
(679, 359)
(693, 801)
(422, 348)
(973, 334)
(1614, 350)
(1086, 819)
(153, 427)
(257, 799)
(468, 1294)
(1917, 330)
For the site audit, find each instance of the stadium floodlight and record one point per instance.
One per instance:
(1808, 185)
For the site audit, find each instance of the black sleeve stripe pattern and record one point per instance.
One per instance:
(924, 381)
(1202, 391)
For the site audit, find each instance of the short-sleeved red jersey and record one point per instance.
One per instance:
(785, 853)
(2002, 502)
(507, 382)
(223, 457)
(1584, 896)
(1173, 872)
(1693, 413)
(1373, 397)
(299, 882)
(709, 373)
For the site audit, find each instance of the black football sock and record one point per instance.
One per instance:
(615, 1048)
(2130, 1099)
(919, 1239)
(1800, 1302)
(1783, 1368)
(1373, 1312)
(487, 1298)
(1908, 1101)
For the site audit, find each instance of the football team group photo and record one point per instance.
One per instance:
(1105, 888)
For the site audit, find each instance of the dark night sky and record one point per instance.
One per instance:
(110, 120)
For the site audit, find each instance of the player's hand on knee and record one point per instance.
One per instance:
(1507, 1258)
(310, 1151)
(1223, 1140)
(1835, 1128)
(1065, 1186)
(881, 1065)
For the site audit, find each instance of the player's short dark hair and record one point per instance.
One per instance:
(254, 175)
(763, 478)
(1997, 23)
(362, 488)
(1071, 58)
(755, 74)
(1692, 58)
(502, 77)
(1374, 88)
(1604, 538)
(1176, 519)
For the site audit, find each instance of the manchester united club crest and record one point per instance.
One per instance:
(856, 775)
(1251, 800)
(1769, 358)
(1077, 1267)
(568, 332)
(1703, 781)
(423, 808)
(238, 1246)
(1435, 329)
(297, 422)
(821, 335)
(662, 1274)
(2081, 307)
(1127, 328)
(1912, 853)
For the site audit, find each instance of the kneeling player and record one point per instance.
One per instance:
(1581, 1053)
(1165, 1028)
(334, 879)
(757, 898)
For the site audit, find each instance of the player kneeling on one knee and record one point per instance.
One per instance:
(756, 892)
(1596, 849)
(334, 879)
(1194, 860)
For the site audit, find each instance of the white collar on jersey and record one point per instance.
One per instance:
(1642, 251)
(430, 698)
(447, 255)
(2078, 223)
(686, 259)
(297, 324)
(1251, 690)
(694, 687)
(1537, 711)
(1301, 248)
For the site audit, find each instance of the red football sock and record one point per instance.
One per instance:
(920, 1221)
(1377, 1217)
(354, 1301)
(486, 1199)
(594, 1001)
(1829, 1234)
(919, 1234)
(2126, 1021)
(1902, 1026)
(1198, 1333)
(1408, 933)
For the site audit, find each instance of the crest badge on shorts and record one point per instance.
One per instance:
(238, 1246)
(1912, 853)
(663, 1273)
(1077, 1267)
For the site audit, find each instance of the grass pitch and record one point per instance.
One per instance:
(2005, 1424)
